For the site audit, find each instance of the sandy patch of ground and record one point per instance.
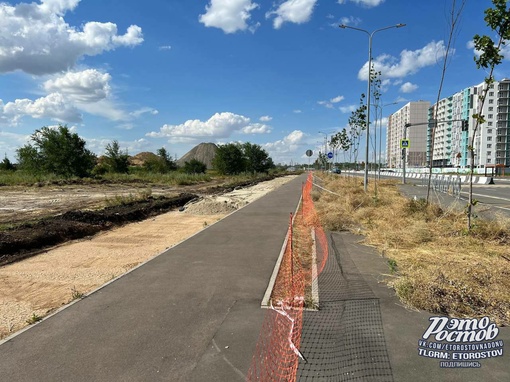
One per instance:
(43, 283)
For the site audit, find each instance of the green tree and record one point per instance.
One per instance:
(168, 163)
(235, 158)
(162, 164)
(6, 165)
(341, 141)
(29, 159)
(194, 166)
(357, 123)
(256, 158)
(229, 159)
(116, 160)
(56, 151)
(322, 161)
(498, 20)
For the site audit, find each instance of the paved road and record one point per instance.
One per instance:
(191, 314)
(494, 199)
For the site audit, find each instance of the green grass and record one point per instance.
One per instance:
(76, 295)
(14, 178)
(34, 318)
(21, 178)
(135, 175)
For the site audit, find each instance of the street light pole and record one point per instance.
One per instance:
(369, 86)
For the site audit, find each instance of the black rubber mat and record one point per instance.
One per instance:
(344, 340)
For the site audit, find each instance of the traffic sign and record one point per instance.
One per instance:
(405, 144)
(330, 155)
(309, 153)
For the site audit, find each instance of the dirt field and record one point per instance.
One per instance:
(38, 285)
(19, 204)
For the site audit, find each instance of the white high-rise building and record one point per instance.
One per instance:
(452, 135)
(503, 124)
(416, 114)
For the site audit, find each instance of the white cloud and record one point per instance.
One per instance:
(295, 137)
(256, 128)
(288, 143)
(293, 11)
(229, 15)
(144, 110)
(88, 90)
(363, 3)
(330, 104)
(54, 106)
(165, 47)
(325, 104)
(337, 99)
(220, 125)
(265, 118)
(58, 7)
(83, 87)
(410, 61)
(351, 20)
(408, 87)
(297, 111)
(105, 108)
(37, 40)
(347, 109)
(287, 148)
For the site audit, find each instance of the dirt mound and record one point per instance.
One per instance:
(236, 197)
(204, 152)
(211, 206)
(26, 240)
(139, 159)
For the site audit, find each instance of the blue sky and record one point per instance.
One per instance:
(174, 73)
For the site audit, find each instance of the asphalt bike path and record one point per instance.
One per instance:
(190, 314)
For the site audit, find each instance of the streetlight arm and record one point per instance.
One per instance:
(343, 26)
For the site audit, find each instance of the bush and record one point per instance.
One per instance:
(194, 166)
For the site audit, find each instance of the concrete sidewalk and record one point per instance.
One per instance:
(364, 333)
(191, 314)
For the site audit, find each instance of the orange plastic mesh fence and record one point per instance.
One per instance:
(277, 353)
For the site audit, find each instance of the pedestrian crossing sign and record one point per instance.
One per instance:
(404, 144)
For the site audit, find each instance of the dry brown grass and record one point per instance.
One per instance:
(439, 266)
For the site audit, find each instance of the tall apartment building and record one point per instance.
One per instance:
(415, 113)
(452, 137)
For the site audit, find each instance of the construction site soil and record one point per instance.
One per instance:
(35, 218)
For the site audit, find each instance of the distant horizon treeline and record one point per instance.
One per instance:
(60, 152)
